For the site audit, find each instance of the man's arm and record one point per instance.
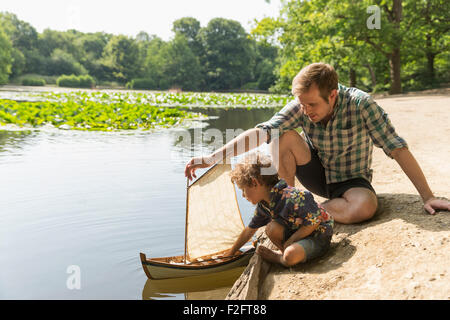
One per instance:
(412, 169)
(289, 117)
(243, 238)
(246, 141)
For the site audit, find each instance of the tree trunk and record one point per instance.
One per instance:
(395, 66)
(394, 56)
(428, 47)
(372, 75)
(430, 67)
(352, 77)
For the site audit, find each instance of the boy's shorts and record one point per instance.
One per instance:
(312, 177)
(314, 245)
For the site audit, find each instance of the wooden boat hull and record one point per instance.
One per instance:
(162, 268)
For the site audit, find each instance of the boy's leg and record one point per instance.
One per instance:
(275, 232)
(292, 255)
(303, 250)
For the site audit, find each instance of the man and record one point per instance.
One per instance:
(333, 160)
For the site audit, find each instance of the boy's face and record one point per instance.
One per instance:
(255, 193)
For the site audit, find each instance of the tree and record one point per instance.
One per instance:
(23, 38)
(22, 35)
(189, 27)
(153, 65)
(121, 54)
(430, 27)
(5, 57)
(228, 58)
(336, 32)
(62, 62)
(180, 66)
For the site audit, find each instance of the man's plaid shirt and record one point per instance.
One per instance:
(345, 144)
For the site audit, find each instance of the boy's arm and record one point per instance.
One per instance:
(301, 233)
(412, 169)
(243, 238)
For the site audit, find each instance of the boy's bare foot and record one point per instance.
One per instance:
(269, 255)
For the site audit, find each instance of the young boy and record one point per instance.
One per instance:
(294, 222)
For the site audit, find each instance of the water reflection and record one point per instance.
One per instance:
(222, 126)
(14, 139)
(207, 287)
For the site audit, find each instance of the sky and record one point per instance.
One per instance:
(129, 17)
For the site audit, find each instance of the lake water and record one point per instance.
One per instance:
(95, 200)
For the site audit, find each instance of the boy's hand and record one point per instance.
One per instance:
(196, 163)
(228, 253)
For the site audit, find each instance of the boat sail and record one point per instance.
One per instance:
(213, 223)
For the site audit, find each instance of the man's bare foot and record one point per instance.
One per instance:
(269, 255)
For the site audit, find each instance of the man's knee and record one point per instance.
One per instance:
(362, 208)
(291, 145)
(292, 138)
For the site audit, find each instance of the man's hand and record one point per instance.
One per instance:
(433, 204)
(196, 163)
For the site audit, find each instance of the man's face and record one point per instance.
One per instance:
(314, 106)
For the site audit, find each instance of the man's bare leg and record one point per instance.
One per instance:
(289, 152)
(355, 205)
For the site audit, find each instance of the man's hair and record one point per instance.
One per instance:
(321, 74)
(250, 167)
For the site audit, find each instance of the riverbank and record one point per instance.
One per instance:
(401, 253)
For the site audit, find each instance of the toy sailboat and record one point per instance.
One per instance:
(213, 223)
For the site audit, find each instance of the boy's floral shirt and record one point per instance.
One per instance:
(295, 208)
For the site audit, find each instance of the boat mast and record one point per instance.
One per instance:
(186, 222)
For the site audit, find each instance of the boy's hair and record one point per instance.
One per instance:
(250, 167)
(321, 74)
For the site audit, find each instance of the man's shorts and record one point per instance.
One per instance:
(312, 177)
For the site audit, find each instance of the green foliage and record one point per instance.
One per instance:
(62, 62)
(404, 52)
(142, 84)
(90, 115)
(180, 65)
(68, 81)
(5, 57)
(228, 57)
(185, 99)
(32, 81)
(83, 81)
(121, 55)
(86, 81)
(219, 56)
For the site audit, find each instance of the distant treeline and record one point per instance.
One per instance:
(389, 45)
(220, 56)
